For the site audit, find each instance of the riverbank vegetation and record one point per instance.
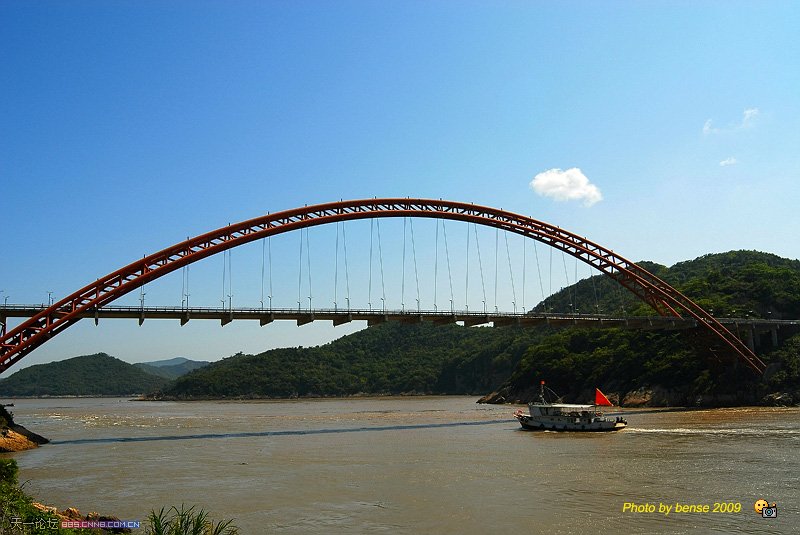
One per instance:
(20, 513)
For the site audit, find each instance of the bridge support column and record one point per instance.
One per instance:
(750, 334)
(266, 319)
(341, 320)
(774, 335)
(184, 319)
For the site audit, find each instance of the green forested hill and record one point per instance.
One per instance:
(732, 284)
(736, 283)
(397, 358)
(89, 375)
(391, 358)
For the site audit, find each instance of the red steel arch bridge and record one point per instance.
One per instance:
(94, 299)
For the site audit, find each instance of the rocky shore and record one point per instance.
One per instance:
(657, 396)
(14, 437)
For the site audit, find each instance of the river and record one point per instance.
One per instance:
(434, 465)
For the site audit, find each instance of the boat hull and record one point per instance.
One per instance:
(532, 424)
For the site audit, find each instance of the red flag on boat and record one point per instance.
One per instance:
(601, 399)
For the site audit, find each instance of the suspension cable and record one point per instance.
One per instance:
(449, 274)
(480, 264)
(496, 245)
(269, 252)
(346, 270)
(369, 289)
(224, 276)
(183, 288)
(380, 259)
(524, 268)
(414, 252)
(566, 275)
(538, 270)
(511, 273)
(336, 269)
(403, 270)
(263, 261)
(308, 259)
(466, 276)
(300, 276)
(594, 290)
(550, 289)
(187, 287)
(436, 270)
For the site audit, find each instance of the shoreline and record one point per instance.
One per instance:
(15, 437)
(365, 396)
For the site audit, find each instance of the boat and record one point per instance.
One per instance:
(546, 416)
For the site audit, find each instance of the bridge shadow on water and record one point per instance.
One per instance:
(298, 432)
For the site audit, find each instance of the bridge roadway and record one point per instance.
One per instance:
(375, 316)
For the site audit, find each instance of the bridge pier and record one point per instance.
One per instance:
(750, 338)
(263, 320)
(305, 319)
(341, 320)
(184, 319)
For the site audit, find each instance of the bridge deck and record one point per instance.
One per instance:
(373, 317)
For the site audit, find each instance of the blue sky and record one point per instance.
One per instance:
(127, 126)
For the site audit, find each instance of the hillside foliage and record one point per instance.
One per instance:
(88, 375)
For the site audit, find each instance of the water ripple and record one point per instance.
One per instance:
(298, 432)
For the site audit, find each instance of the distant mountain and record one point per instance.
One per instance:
(172, 368)
(89, 375)
(168, 362)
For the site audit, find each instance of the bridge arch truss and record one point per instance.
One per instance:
(665, 299)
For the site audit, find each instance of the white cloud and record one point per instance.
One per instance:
(748, 118)
(569, 185)
(728, 161)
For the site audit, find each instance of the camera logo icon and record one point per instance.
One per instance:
(766, 510)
